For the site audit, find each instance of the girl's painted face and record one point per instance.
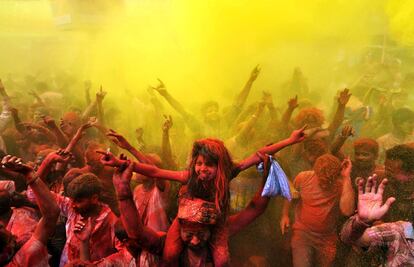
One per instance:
(205, 169)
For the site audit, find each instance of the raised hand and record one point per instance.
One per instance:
(370, 202)
(267, 98)
(344, 97)
(255, 73)
(49, 121)
(83, 229)
(298, 135)
(59, 156)
(109, 159)
(123, 175)
(100, 95)
(160, 88)
(118, 139)
(347, 131)
(92, 121)
(168, 123)
(15, 164)
(293, 102)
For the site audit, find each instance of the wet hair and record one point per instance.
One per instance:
(402, 115)
(84, 186)
(315, 147)
(69, 177)
(405, 153)
(367, 144)
(328, 168)
(306, 113)
(212, 150)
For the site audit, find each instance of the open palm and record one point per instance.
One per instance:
(370, 202)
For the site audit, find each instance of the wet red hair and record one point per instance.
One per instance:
(215, 151)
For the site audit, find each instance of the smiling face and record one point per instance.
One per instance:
(205, 168)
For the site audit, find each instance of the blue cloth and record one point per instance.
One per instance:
(276, 182)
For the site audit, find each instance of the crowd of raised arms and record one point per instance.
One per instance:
(74, 191)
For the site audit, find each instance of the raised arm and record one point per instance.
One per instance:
(370, 209)
(100, 95)
(347, 199)
(340, 112)
(249, 123)
(5, 115)
(166, 152)
(45, 131)
(189, 119)
(121, 142)
(88, 86)
(17, 122)
(297, 136)
(44, 198)
(240, 99)
(292, 105)
(339, 141)
(99, 104)
(62, 140)
(130, 217)
(60, 156)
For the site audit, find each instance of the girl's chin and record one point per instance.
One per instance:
(204, 178)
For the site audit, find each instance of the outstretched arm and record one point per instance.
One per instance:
(121, 141)
(297, 136)
(44, 198)
(148, 170)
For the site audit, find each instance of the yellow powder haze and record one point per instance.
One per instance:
(202, 50)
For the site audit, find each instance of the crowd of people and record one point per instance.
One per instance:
(78, 193)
